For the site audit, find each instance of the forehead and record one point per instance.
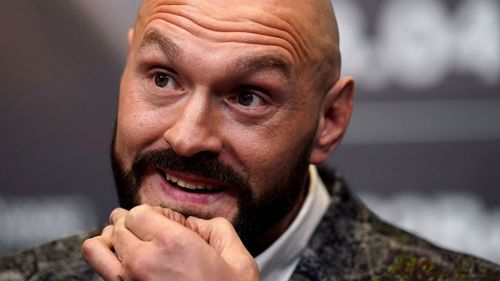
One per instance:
(154, 38)
(185, 54)
(265, 23)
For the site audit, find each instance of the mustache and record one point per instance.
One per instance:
(202, 164)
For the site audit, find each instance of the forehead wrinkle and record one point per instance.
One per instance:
(243, 30)
(168, 47)
(286, 26)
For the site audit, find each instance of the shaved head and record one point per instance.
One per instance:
(239, 88)
(306, 29)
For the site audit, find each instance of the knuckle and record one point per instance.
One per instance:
(87, 248)
(172, 242)
(113, 216)
(139, 211)
(141, 208)
(167, 242)
(222, 223)
(114, 212)
(107, 230)
(119, 233)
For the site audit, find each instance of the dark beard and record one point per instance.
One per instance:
(256, 216)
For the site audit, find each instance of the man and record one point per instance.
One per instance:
(225, 109)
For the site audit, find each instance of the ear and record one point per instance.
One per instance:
(335, 116)
(130, 37)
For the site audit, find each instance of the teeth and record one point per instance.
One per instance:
(187, 185)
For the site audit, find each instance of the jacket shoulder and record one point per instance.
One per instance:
(352, 243)
(406, 256)
(57, 260)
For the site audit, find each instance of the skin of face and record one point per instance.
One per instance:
(253, 83)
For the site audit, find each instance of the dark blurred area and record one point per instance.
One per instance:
(427, 117)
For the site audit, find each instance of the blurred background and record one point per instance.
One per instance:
(423, 149)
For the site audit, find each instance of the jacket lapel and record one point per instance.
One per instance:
(338, 243)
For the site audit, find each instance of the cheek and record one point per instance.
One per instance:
(270, 153)
(139, 126)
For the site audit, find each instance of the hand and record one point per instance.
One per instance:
(152, 243)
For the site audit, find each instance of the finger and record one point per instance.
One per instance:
(106, 236)
(219, 233)
(173, 215)
(97, 253)
(124, 242)
(146, 222)
(117, 214)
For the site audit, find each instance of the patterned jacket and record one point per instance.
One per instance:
(351, 243)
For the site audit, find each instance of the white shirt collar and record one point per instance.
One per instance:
(278, 262)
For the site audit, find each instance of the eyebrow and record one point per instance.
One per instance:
(247, 64)
(255, 64)
(167, 46)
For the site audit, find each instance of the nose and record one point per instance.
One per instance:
(195, 128)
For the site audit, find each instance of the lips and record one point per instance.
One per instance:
(190, 184)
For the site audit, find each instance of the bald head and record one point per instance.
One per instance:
(251, 84)
(305, 29)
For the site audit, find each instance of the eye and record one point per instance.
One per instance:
(248, 98)
(163, 80)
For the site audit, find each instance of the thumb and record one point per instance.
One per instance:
(220, 235)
